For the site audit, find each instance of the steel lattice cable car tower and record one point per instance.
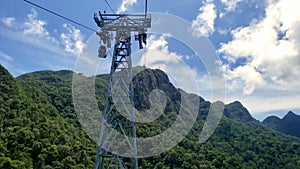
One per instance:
(122, 26)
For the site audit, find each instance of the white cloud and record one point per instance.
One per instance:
(34, 26)
(270, 48)
(40, 46)
(271, 45)
(230, 5)
(72, 40)
(203, 25)
(267, 100)
(34, 29)
(158, 56)
(246, 74)
(158, 51)
(125, 5)
(9, 21)
(31, 32)
(223, 31)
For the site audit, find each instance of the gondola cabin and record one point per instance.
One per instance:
(102, 53)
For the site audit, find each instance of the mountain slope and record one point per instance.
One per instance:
(33, 134)
(289, 124)
(237, 111)
(238, 142)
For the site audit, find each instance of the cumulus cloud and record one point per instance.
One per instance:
(203, 25)
(72, 40)
(246, 74)
(158, 52)
(159, 56)
(34, 26)
(9, 21)
(125, 5)
(270, 46)
(35, 29)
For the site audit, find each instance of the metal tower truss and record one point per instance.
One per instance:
(119, 97)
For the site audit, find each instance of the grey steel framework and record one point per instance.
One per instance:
(119, 95)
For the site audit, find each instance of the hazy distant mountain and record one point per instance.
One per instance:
(289, 124)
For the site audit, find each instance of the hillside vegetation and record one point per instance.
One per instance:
(39, 128)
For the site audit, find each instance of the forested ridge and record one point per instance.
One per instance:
(39, 128)
(35, 133)
(289, 124)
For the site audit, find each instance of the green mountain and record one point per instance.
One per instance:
(39, 128)
(34, 134)
(237, 111)
(289, 124)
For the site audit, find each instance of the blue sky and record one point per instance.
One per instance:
(257, 41)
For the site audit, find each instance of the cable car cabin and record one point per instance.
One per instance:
(145, 105)
(144, 102)
(102, 52)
